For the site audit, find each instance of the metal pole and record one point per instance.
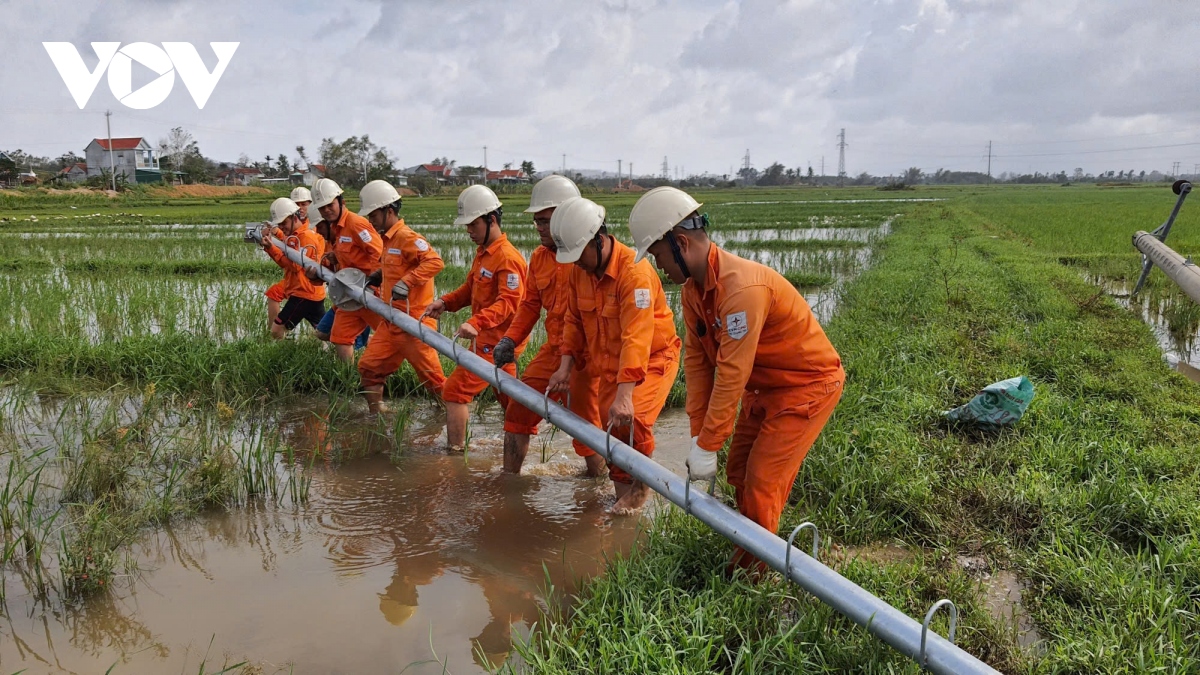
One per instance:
(1183, 189)
(881, 619)
(1181, 270)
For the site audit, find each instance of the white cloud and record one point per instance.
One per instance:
(914, 82)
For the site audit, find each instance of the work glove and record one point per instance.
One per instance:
(701, 463)
(400, 291)
(505, 352)
(375, 278)
(330, 261)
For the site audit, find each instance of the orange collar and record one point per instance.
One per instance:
(395, 229)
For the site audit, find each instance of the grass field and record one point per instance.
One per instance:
(1092, 501)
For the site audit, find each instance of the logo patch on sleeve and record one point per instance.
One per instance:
(641, 298)
(736, 326)
(365, 236)
(514, 281)
(421, 245)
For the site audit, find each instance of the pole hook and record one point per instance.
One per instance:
(944, 602)
(816, 547)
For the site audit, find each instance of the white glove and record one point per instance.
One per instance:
(701, 463)
(400, 291)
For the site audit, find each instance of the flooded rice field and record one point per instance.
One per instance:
(401, 556)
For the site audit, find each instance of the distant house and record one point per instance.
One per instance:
(313, 173)
(131, 157)
(507, 176)
(241, 175)
(75, 173)
(443, 174)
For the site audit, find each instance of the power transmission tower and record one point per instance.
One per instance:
(989, 159)
(842, 158)
(1175, 169)
(666, 169)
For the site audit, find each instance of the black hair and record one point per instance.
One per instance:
(496, 214)
(395, 206)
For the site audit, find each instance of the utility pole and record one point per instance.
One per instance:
(822, 166)
(842, 158)
(618, 173)
(112, 167)
(989, 159)
(485, 163)
(564, 164)
(631, 172)
(666, 170)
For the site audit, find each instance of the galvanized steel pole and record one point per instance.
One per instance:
(884, 621)
(1181, 270)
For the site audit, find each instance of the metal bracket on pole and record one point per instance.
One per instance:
(875, 615)
(1181, 188)
(816, 549)
(924, 659)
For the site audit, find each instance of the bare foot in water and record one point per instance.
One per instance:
(630, 498)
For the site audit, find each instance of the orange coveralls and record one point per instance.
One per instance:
(494, 287)
(622, 326)
(357, 245)
(276, 291)
(751, 336)
(409, 258)
(546, 287)
(295, 283)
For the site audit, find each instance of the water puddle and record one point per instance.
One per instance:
(1172, 316)
(414, 559)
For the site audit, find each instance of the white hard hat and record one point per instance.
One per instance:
(376, 195)
(656, 213)
(282, 208)
(475, 201)
(301, 194)
(324, 191)
(550, 192)
(574, 224)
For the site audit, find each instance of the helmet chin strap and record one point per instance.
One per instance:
(678, 255)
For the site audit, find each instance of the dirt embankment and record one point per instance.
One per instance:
(207, 190)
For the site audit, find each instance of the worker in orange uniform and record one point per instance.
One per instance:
(751, 339)
(305, 300)
(355, 245)
(493, 290)
(276, 294)
(409, 265)
(545, 287)
(618, 321)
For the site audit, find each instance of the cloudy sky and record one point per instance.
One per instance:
(927, 83)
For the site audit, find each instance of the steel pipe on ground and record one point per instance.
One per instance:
(1181, 270)
(881, 619)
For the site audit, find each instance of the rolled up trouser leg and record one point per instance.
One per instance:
(463, 386)
(521, 420)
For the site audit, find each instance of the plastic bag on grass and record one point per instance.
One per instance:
(999, 404)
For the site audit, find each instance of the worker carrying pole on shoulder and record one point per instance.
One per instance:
(355, 245)
(545, 288)
(493, 290)
(619, 321)
(408, 267)
(752, 338)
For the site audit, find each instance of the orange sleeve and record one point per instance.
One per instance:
(742, 316)
(530, 309)
(429, 263)
(697, 370)
(369, 241)
(637, 326)
(510, 288)
(461, 296)
(285, 263)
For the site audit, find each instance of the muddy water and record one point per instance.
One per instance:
(395, 561)
(1181, 349)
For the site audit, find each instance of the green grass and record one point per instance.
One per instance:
(1091, 498)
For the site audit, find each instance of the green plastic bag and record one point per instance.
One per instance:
(999, 404)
